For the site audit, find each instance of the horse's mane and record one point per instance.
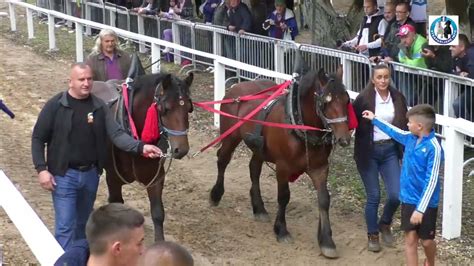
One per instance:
(310, 79)
(149, 82)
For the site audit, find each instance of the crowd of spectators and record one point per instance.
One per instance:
(391, 30)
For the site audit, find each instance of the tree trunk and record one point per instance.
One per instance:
(327, 27)
(464, 9)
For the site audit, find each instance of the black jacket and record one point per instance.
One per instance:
(240, 18)
(365, 131)
(53, 128)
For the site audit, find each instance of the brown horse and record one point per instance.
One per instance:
(172, 96)
(316, 100)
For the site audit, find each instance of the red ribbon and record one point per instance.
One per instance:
(151, 132)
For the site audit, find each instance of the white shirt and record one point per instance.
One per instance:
(365, 35)
(383, 110)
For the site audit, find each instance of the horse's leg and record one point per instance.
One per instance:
(255, 167)
(156, 206)
(114, 186)
(283, 198)
(224, 154)
(325, 241)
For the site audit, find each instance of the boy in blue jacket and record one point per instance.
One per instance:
(419, 180)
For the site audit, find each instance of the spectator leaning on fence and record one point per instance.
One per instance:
(148, 7)
(240, 19)
(389, 17)
(376, 153)
(463, 62)
(107, 60)
(281, 24)
(115, 237)
(74, 127)
(368, 41)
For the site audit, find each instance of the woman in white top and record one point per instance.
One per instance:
(376, 154)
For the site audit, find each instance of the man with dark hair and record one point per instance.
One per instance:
(74, 126)
(463, 65)
(115, 236)
(391, 40)
(167, 253)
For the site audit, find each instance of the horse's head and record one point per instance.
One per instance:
(173, 99)
(174, 105)
(331, 100)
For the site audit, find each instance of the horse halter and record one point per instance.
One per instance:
(321, 100)
(159, 99)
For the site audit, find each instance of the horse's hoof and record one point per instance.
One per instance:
(212, 202)
(286, 239)
(262, 217)
(330, 253)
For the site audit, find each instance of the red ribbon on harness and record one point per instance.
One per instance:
(278, 91)
(351, 116)
(133, 128)
(151, 132)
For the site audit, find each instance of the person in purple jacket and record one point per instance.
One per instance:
(209, 8)
(281, 24)
(419, 180)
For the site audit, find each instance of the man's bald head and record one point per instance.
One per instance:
(167, 253)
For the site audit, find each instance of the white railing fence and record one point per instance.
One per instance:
(354, 66)
(41, 242)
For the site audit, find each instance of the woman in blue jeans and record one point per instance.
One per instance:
(376, 154)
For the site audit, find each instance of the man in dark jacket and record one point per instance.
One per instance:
(391, 40)
(240, 18)
(74, 126)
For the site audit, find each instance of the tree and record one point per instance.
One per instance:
(327, 26)
(465, 10)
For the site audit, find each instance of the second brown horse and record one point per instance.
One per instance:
(320, 101)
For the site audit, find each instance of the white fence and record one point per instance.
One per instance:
(454, 130)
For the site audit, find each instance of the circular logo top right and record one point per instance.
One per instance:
(443, 30)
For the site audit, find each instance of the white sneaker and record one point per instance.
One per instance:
(166, 50)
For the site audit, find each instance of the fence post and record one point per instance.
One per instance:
(112, 18)
(141, 30)
(79, 43)
(51, 36)
(347, 70)
(219, 87)
(29, 23)
(217, 43)
(155, 56)
(279, 57)
(11, 8)
(452, 189)
(450, 93)
(176, 40)
(68, 8)
(88, 17)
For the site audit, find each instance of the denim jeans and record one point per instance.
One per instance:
(383, 160)
(73, 200)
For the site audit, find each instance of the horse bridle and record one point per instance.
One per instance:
(159, 99)
(321, 100)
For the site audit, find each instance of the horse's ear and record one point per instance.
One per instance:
(189, 79)
(339, 72)
(166, 82)
(322, 77)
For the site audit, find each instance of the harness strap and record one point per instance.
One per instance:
(133, 128)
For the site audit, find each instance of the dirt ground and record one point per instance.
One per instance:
(224, 235)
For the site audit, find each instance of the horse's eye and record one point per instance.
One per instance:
(328, 98)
